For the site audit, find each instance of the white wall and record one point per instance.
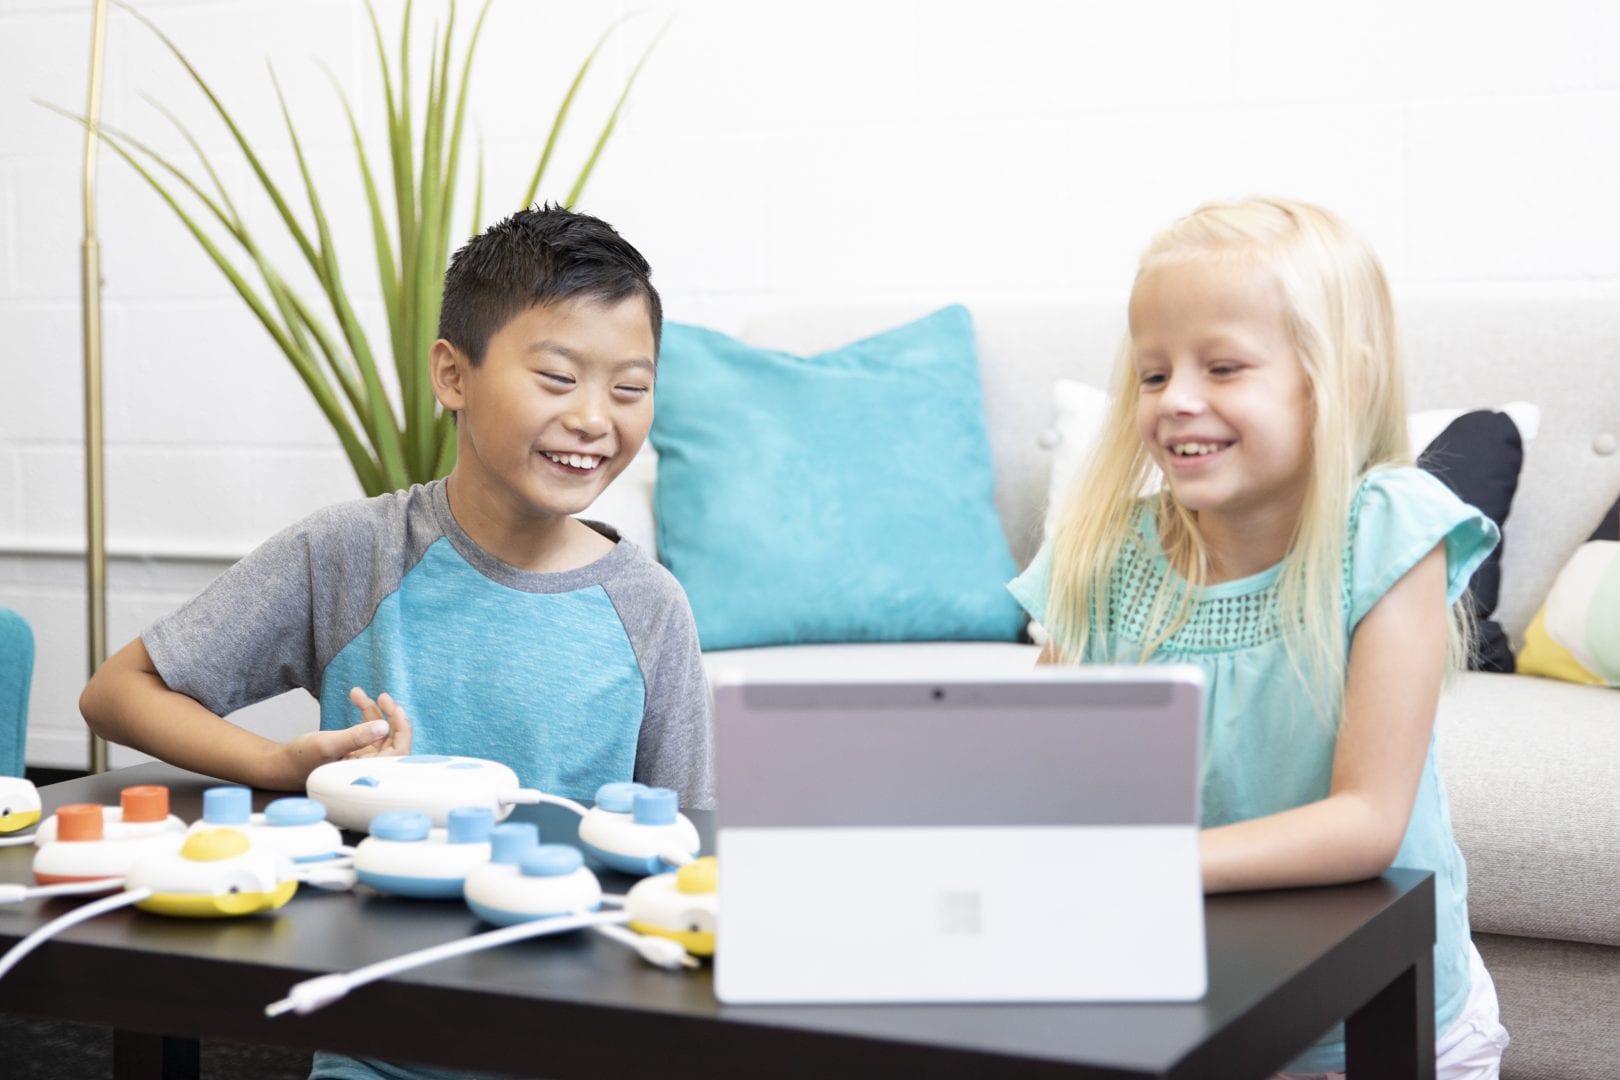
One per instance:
(954, 150)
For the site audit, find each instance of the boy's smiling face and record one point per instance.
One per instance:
(559, 406)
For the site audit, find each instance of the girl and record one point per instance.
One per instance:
(1289, 549)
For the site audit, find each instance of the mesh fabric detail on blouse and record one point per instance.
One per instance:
(1214, 624)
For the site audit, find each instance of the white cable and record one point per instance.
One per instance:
(530, 796)
(558, 800)
(16, 894)
(316, 993)
(677, 857)
(72, 918)
(659, 951)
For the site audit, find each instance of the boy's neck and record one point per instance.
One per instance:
(548, 545)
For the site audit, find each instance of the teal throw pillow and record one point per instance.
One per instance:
(846, 496)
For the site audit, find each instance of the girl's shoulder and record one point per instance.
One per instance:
(1398, 516)
(1404, 502)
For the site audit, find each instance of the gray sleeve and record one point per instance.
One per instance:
(675, 748)
(274, 620)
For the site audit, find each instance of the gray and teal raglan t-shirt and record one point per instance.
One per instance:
(572, 679)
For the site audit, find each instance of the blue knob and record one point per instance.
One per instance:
(509, 840)
(227, 805)
(294, 811)
(618, 797)
(470, 824)
(406, 825)
(551, 860)
(655, 806)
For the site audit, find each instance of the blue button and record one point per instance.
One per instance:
(551, 860)
(227, 805)
(423, 759)
(470, 824)
(618, 797)
(655, 806)
(509, 840)
(364, 781)
(294, 811)
(407, 825)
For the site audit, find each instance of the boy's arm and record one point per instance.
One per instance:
(127, 702)
(675, 747)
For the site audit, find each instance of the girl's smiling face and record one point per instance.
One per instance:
(1224, 406)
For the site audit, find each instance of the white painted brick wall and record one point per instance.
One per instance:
(772, 150)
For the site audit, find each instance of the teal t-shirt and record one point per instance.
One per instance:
(1266, 747)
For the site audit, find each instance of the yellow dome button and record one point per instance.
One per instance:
(699, 876)
(211, 845)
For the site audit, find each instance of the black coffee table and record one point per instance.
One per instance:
(1284, 966)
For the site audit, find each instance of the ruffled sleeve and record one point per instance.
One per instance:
(1030, 587)
(1399, 515)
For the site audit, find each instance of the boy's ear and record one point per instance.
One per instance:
(448, 366)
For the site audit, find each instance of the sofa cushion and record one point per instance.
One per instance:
(1576, 634)
(1531, 767)
(843, 496)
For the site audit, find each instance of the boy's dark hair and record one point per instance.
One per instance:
(541, 255)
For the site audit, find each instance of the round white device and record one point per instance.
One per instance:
(356, 790)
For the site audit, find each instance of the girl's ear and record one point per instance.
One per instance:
(448, 368)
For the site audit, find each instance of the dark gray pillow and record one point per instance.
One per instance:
(1478, 456)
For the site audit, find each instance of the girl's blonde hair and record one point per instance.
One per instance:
(1341, 319)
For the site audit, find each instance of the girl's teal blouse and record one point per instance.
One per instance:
(1266, 746)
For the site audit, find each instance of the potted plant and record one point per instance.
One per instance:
(390, 443)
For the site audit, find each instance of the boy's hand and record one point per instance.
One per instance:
(389, 711)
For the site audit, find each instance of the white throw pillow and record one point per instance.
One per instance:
(1422, 427)
(1079, 412)
(627, 503)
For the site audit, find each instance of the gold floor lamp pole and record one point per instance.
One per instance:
(95, 502)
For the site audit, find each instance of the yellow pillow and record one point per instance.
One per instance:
(1576, 634)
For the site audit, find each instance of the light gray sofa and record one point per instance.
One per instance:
(1532, 765)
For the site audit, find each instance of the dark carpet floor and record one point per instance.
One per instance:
(34, 1049)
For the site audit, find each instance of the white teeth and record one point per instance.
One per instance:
(1194, 449)
(578, 461)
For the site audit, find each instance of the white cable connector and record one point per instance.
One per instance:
(62, 922)
(336, 877)
(316, 993)
(312, 994)
(661, 952)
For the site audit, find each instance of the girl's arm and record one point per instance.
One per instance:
(1392, 688)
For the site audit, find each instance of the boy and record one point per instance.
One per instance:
(501, 625)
